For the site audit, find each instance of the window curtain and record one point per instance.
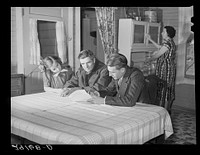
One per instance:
(34, 43)
(61, 42)
(106, 26)
(185, 14)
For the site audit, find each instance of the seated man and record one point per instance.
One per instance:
(127, 86)
(92, 75)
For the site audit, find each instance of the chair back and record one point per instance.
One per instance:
(156, 89)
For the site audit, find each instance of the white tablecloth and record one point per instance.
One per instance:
(47, 118)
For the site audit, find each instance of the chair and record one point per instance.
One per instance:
(156, 89)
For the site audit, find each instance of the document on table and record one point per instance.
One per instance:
(79, 95)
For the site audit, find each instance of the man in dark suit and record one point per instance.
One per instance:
(92, 75)
(127, 86)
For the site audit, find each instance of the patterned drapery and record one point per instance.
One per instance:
(106, 26)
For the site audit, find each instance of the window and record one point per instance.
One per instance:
(189, 58)
(139, 32)
(47, 38)
(153, 32)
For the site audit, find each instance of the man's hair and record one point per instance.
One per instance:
(86, 53)
(170, 31)
(118, 60)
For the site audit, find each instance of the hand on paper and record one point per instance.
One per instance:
(96, 100)
(54, 90)
(94, 93)
(68, 91)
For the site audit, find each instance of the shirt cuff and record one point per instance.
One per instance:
(104, 100)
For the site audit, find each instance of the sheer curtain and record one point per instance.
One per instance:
(185, 15)
(61, 42)
(34, 43)
(106, 26)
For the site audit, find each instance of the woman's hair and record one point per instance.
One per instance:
(86, 53)
(53, 59)
(170, 31)
(118, 60)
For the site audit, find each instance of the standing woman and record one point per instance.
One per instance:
(166, 62)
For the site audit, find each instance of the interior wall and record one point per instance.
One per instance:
(13, 41)
(185, 96)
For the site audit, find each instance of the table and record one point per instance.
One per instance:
(47, 118)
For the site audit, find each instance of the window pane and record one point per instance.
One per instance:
(153, 32)
(138, 34)
(47, 38)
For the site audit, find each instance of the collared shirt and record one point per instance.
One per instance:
(120, 81)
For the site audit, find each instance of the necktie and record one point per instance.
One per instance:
(87, 80)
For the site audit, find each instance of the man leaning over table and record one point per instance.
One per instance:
(92, 75)
(127, 86)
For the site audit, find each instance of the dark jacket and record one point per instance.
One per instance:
(97, 80)
(132, 89)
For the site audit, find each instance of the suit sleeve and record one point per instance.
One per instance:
(104, 80)
(110, 90)
(73, 82)
(69, 74)
(134, 87)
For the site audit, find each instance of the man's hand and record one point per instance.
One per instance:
(68, 91)
(94, 93)
(65, 92)
(96, 100)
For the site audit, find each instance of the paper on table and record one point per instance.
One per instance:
(79, 95)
